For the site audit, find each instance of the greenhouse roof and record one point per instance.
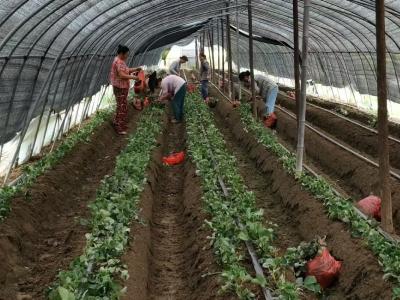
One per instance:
(45, 43)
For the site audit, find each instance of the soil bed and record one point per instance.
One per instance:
(356, 177)
(351, 112)
(299, 215)
(355, 136)
(171, 257)
(44, 232)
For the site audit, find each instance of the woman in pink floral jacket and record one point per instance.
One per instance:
(120, 77)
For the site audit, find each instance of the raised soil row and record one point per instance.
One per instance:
(44, 232)
(300, 216)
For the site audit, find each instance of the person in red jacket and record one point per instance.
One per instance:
(120, 77)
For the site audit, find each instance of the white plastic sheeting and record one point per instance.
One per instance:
(80, 111)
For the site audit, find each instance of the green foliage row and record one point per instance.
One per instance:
(94, 274)
(338, 208)
(33, 171)
(228, 238)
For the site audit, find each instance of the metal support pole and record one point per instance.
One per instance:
(223, 54)
(200, 43)
(218, 50)
(238, 48)
(383, 131)
(204, 40)
(229, 55)
(209, 50)
(196, 53)
(212, 62)
(251, 53)
(303, 99)
(296, 56)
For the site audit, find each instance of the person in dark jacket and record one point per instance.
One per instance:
(204, 76)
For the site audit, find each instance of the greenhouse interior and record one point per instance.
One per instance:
(199, 150)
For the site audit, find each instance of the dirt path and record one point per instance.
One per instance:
(44, 232)
(254, 179)
(171, 257)
(170, 233)
(301, 217)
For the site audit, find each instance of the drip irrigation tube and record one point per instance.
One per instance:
(392, 138)
(396, 140)
(333, 141)
(388, 237)
(250, 248)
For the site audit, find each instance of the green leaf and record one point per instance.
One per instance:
(243, 236)
(311, 284)
(65, 294)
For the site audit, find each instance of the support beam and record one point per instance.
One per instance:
(212, 58)
(238, 47)
(383, 132)
(251, 57)
(229, 54)
(209, 50)
(223, 54)
(218, 51)
(303, 99)
(196, 52)
(296, 45)
(204, 40)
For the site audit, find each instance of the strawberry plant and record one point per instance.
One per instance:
(338, 208)
(33, 171)
(94, 274)
(208, 150)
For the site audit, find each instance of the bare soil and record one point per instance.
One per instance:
(353, 135)
(44, 232)
(170, 256)
(350, 174)
(351, 112)
(299, 215)
(356, 177)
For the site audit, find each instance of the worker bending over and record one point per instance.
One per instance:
(175, 67)
(268, 90)
(173, 88)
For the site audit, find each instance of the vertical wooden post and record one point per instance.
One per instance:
(251, 57)
(229, 54)
(223, 54)
(210, 51)
(238, 47)
(196, 51)
(303, 99)
(296, 45)
(218, 51)
(204, 40)
(212, 58)
(383, 132)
